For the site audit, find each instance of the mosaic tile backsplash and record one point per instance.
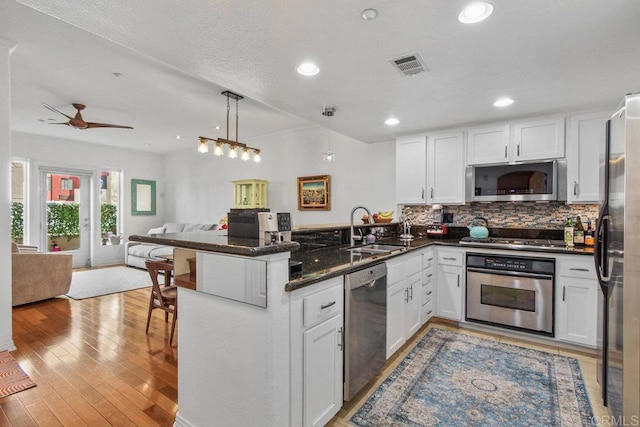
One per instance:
(550, 216)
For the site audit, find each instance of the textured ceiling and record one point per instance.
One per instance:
(176, 57)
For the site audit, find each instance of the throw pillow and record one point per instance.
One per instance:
(158, 230)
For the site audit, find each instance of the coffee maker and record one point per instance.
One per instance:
(274, 227)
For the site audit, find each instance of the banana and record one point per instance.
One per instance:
(386, 214)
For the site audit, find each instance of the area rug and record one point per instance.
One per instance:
(104, 281)
(452, 379)
(12, 378)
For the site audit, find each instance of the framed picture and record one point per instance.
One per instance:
(314, 193)
(143, 197)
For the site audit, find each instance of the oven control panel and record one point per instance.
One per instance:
(523, 264)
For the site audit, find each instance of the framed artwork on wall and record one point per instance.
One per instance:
(314, 193)
(143, 197)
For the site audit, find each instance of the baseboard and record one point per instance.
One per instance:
(181, 422)
(7, 345)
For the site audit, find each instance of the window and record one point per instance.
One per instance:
(66, 184)
(110, 204)
(17, 200)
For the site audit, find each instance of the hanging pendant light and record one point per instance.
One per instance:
(234, 146)
(329, 155)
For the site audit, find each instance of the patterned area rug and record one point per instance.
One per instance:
(104, 281)
(452, 379)
(12, 377)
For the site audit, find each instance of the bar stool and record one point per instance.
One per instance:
(162, 297)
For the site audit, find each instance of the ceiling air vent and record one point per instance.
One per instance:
(409, 64)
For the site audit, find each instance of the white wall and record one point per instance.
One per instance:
(199, 188)
(46, 151)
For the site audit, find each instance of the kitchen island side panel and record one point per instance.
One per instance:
(234, 359)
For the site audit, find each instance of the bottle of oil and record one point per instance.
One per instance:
(588, 235)
(568, 233)
(578, 233)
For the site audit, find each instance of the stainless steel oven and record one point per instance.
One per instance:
(516, 292)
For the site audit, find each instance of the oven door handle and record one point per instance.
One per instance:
(510, 273)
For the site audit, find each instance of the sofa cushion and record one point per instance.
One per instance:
(173, 227)
(158, 230)
(160, 251)
(143, 251)
(199, 227)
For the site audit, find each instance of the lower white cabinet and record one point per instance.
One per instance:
(449, 284)
(323, 355)
(404, 288)
(428, 279)
(578, 308)
(317, 352)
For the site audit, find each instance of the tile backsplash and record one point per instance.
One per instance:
(551, 215)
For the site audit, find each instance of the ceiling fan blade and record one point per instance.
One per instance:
(54, 110)
(106, 125)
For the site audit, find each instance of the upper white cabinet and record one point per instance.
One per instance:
(538, 140)
(520, 142)
(445, 169)
(411, 172)
(488, 145)
(585, 145)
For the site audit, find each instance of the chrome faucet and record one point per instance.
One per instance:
(353, 238)
(406, 227)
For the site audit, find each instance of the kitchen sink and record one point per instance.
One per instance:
(375, 248)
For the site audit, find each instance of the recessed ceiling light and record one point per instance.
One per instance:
(146, 144)
(217, 127)
(475, 12)
(308, 69)
(369, 14)
(177, 136)
(391, 121)
(503, 102)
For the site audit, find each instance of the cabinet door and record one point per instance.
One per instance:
(323, 372)
(445, 169)
(449, 292)
(412, 308)
(488, 145)
(584, 145)
(577, 310)
(539, 140)
(396, 301)
(411, 178)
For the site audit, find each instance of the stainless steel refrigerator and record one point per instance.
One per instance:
(617, 258)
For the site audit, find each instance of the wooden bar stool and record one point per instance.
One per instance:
(162, 297)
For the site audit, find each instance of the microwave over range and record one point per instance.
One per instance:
(518, 182)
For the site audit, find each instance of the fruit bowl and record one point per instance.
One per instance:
(382, 220)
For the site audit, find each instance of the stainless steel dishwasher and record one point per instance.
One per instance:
(365, 327)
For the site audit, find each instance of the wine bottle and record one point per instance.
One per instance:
(578, 233)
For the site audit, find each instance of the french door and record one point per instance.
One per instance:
(66, 214)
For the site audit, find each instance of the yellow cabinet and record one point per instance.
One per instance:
(250, 193)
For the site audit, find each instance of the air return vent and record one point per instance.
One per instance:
(409, 64)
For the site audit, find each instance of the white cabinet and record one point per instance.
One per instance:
(428, 279)
(519, 142)
(538, 140)
(488, 145)
(411, 178)
(577, 300)
(404, 287)
(585, 145)
(446, 169)
(449, 283)
(317, 352)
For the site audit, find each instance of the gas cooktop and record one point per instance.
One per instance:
(514, 243)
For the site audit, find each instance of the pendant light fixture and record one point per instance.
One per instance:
(329, 155)
(234, 146)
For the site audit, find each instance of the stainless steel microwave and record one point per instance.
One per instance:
(519, 182)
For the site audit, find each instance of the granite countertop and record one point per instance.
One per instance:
(325, 263)
(215, 241)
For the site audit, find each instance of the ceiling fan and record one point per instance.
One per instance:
(77, 122)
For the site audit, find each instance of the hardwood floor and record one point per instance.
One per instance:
(93, 364)
(587, 365)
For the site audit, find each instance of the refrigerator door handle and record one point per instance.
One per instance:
(600, 251)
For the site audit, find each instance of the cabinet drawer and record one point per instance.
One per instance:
(583, 269)
(427, 293)
(450, 258)
(427, 276)
(426, 311)
(322, 305)
(427, 260)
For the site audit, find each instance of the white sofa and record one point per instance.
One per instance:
(136, 253)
